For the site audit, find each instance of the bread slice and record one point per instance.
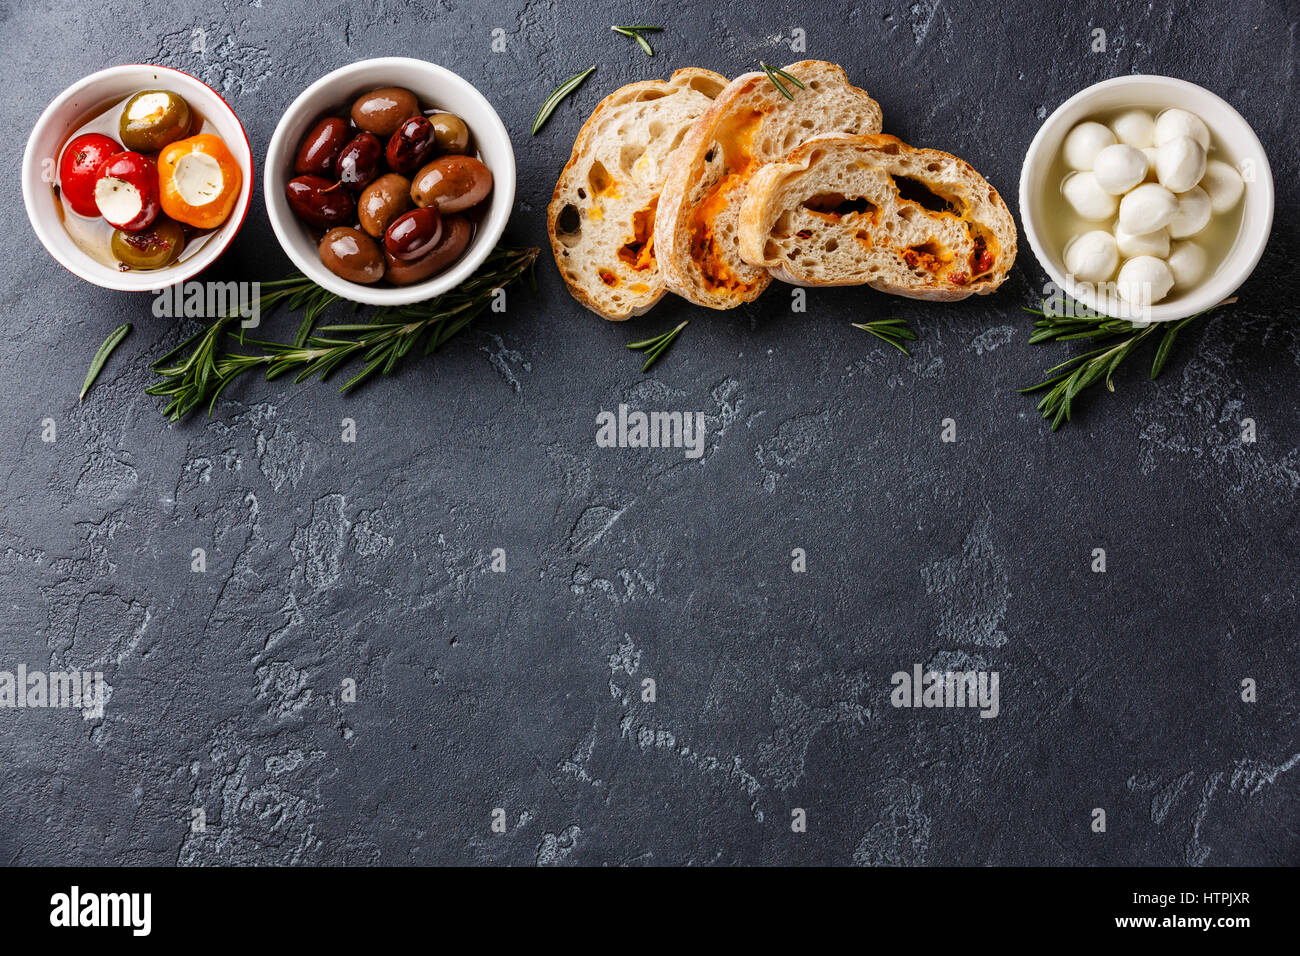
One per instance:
(872, 210)
(602, 215)
(748, 125)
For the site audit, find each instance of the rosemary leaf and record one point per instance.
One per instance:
(634, 33)
(556, 98)
(1064, 382)
(101, 357)
(198, 371)
(893, 331)
(776, 75)
(656, 346)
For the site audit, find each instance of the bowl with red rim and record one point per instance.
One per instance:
(67, 113)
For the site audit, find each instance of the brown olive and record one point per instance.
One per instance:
(456, 232)
(383, 201)
(449, 133)
(351, 254)
(319, 202)
(452, 183)
(321, 147)
(411, 146)
(382, 111)
(413, 233)
(358, 163)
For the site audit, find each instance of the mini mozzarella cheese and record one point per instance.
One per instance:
(1146, 209)
(1092, 257)
(198, 178)
(1119, 168)
(1187, 263)
(1086, 197)
(1222, 184)
(1144, 280)
(1180, 164)
(1148, 244)
(1173, 123)
(1084, 142)
(1150, 152)
(1135, 128)
(1193, 213)
(118, 201)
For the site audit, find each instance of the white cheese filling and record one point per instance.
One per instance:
(119, 202)
(149, 106)
(198, 179)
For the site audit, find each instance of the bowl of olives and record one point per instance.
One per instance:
(137, 177)
(389, 181)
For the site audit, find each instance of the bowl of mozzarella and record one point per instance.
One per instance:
(1147, 198)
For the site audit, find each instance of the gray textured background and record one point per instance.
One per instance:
(480, 690)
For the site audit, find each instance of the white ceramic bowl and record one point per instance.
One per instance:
(434, 86)
(68, 112)
(1239, 143)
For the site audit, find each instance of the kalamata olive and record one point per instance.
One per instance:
(351, 254)
(382, 201)
(152, 119)
(319, 202)
(358, 162)
(449, 133)
(410, 146)
(382, 111)
(413, 233)
(320, 148)
(456, 233)
(452, 183)
(150, 248)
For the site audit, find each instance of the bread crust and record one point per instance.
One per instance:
(706, 84)
(700, 197)
(892, 243)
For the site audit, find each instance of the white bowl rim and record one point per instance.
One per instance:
(1220, 285)
(108, 279)
(489, 230)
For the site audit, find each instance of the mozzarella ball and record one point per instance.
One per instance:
(1135, 128)
(1193, 213)
(1180, 164)
(1084, 142)
(1144, 280)
(1088, 199)
(1146, 209)
(1150, 152)
(1092, 257)
(1119, 168)
(1187, 263)
(1223, 184)
(1149, 244)
(1174, 123)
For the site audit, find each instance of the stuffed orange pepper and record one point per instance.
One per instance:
(199, 181)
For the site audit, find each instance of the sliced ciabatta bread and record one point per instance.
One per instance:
(872, 210)
(750, 124)
(601, 217)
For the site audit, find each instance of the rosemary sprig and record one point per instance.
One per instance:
(199, 370)
(657, 346)
(893, 331)
(776, 75)
(635, 34)
(556, 98)
(97, 363)
(1122, 338)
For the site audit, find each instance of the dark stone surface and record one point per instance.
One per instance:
(520, 690)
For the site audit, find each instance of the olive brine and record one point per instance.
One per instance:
(393, 187)
(154, 193)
